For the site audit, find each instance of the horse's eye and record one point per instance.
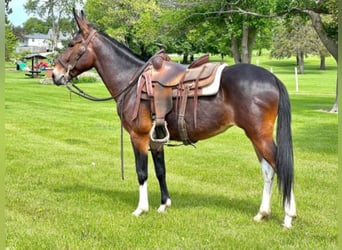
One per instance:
(71, 44)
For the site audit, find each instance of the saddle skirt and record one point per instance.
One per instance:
(208, 74)
(163, 80)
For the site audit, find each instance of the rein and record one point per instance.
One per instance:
(120, 95)
(83, 94)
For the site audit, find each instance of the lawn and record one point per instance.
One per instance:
(64, 187)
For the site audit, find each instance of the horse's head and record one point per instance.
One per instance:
(79, 56)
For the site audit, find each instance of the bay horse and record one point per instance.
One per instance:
(249, 97)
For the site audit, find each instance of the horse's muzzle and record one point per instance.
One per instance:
(59, 80)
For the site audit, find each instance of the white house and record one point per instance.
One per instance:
(38, 43)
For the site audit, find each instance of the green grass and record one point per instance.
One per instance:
(64, 188)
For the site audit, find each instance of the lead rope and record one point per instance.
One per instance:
(120, 103)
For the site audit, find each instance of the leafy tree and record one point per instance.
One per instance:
(323, 15)
(233, 27)
(132, 22)
(324, 18)
(11, 41)
(10, 38)
(296, 37)
(53, 10)
(35, 25)
(8, 9)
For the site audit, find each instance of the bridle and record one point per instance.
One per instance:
(80, 53)
(69, 67)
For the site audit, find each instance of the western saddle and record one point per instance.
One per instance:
(161, 82)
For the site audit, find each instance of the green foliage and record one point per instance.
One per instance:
(130, 22)
(8, 9)
(10, 41)
(53, 12)
(36, 25)
(326, 8)
(209, 26)
(294, 37)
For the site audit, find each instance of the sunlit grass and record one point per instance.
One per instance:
(64, 187)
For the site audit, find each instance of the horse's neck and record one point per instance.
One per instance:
(114, 66)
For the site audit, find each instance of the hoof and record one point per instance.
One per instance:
(261, 216)
(140, 211)
(162, 208)
(287, 224)
(286, 227)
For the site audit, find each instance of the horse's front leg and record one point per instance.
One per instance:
(159, 165)
(140, 152)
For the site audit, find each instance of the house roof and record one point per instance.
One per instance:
(62, 36)
(37, 36)
(39, 56)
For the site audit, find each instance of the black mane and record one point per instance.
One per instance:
(121, 46)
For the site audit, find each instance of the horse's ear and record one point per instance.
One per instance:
(82, 23)
(83, 15)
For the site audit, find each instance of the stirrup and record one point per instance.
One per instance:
(159, 135)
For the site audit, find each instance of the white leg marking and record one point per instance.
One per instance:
(162, 208)
(265, 207)
(290, 211)
(143, 200)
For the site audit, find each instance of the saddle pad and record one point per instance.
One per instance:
(213, 88)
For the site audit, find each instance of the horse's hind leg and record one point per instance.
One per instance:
(159, 165)
(265, 150)
(265, 207)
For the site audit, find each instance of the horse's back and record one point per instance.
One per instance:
(247, 81)
(247, 74)
(252, 92)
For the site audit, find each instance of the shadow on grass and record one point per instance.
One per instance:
(179, 199)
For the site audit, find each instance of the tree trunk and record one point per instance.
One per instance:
(222, 57)
(329, 43)
(248, 39)
(322, 64)
(185, 58)
(300, 58)
(247, 43)
(334, 109)
(251, 40)
(259, 52)
(244, 44)
(235, 50)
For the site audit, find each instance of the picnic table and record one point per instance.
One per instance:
(34, 72)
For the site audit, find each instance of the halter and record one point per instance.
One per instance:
(82, 50)
(74, 89)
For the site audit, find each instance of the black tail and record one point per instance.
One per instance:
(284, 156)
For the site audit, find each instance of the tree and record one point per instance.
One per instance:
(324, 18)
(130, 22)
(11, 41)
(239, 29)
(8, 9)
(296, 37)
(54, 10)
(10, 38)
(327, 31)
(35, 25)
